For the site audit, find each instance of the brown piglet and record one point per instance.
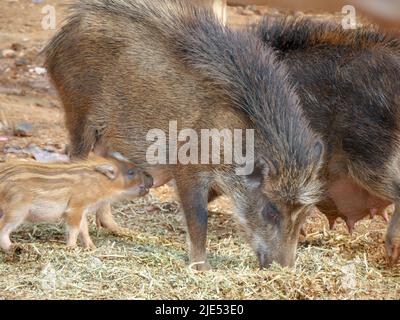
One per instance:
(37, 192)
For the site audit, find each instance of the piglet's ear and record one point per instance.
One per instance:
(108, 170)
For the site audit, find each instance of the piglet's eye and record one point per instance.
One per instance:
(131, 172)
(271, 213)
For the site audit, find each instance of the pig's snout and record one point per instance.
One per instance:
(263, 260)
(147, 181)
(285, 260)
(146, 184)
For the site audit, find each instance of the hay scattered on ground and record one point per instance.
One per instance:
(152, 263)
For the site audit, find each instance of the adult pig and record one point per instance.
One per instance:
(350, 92)
(126, 68)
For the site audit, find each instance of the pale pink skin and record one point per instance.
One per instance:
(354, 203)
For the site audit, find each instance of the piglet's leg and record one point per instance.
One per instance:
(74, 218)
(8, 223)
(84, 235)
(393, 236)
(105, 219)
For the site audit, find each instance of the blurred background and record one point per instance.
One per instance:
(383, 12)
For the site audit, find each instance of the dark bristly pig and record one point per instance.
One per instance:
(350, 90)
(124, 68)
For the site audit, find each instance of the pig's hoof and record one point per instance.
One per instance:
(200, 266)
(121, 232)
(393, 250)
(112, 227)
(118, 231)
(71, 247)
(90, 247)
(395, 255)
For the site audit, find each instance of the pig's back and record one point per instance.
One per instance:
(109, 55)
(124, 75)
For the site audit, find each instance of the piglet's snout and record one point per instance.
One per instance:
(147, 181)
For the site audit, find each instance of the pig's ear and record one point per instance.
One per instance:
(108, 170)
(261, 170)
(318, 151)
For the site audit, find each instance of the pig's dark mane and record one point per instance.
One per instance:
(237, 63)
(297, 33)
(242, 71)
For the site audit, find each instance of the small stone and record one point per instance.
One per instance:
(45, 156)
(12, 149)
(40, 70)
(50, 148)
(21, 62)
(8, 54)
(23, 129)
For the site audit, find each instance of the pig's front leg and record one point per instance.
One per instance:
(393, 236)
(105, 219)
(194, 199)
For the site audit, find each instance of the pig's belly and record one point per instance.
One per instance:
(354, 202)
(47, 212)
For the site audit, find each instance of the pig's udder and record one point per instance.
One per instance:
(353, 202)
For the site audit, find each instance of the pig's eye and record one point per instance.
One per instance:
(131, 173)
(271, 213)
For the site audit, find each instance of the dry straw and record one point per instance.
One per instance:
(151, 262)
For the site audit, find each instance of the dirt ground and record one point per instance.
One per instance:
(152, 262)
